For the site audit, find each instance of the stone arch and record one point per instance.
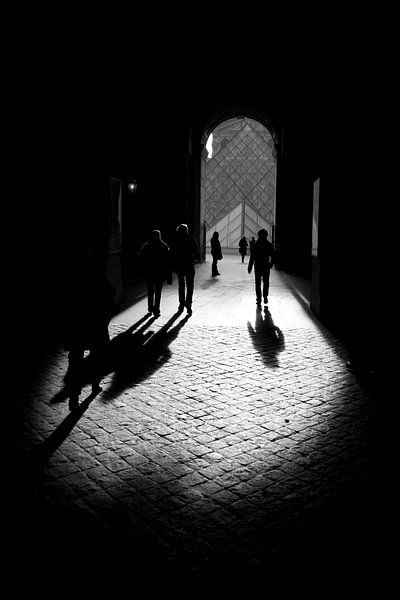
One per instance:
(219, 117)
(238, 112)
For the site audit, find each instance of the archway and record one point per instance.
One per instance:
(238, 183)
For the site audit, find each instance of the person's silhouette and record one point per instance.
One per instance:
(185, 254)
(91, 306)
(262, 258)
(243, 244)
(156, 267)
(216, 253)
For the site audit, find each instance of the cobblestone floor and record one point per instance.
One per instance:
(234, 441)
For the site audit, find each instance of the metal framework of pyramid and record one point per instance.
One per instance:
(242, 220)
(239, 184)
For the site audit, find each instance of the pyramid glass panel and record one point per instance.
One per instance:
(241, 170)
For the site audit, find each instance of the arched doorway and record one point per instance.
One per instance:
(238, 184)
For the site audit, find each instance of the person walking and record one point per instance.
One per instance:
(262, 258)
(185, 254)
(91, 306)
(156, 268)
(251, 245)
(216, 253)
(243, 244)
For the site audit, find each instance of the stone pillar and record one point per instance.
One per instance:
(315, 300)
(203, 158)
(279, 202)
(194, 200)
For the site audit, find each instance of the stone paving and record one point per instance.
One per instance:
(233, 440)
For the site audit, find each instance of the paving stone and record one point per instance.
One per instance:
(208, 456)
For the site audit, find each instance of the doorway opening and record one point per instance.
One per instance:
(238, 185)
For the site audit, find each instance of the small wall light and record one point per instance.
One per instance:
(132, 186)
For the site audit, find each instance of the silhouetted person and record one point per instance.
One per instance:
(251, 245)
(216, 253)
(91, 306)
(156, 268)
(262, 257)
(243, 244)
(186, 254)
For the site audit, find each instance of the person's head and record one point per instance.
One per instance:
(156, 234)
(216, 235)
(182, 229)
(262, 234)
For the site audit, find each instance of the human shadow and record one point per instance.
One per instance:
(42, 452)
(88, 366)
(132, 357)
(209, 282)
(267, 338)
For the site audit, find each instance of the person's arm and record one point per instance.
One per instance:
(272, 259)
(251, 262)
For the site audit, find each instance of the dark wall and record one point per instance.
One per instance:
(141, 122)
(353, 210)
(294, 215)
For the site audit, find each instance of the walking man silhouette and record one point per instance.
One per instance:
(156, 266)
(262, 258)
(243, 247)
(186, 253)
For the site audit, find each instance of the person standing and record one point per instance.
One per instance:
(185, 254)
(216, 253)
(156, 268)
(243, 247)
(262, 258)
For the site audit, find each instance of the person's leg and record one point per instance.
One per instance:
(181, 290)
(150, 295)
(266, 285)
(189, 290)
(97, 356)
(257, 281)
(157, 297)
(214, 269)
(75, 363)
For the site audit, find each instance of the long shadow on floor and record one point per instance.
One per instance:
(331, 522)
(209, 283)
(87, 366)
(133, 357)
(267, 338)
(42, 452)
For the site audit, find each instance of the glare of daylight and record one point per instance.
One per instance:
(209, 145)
